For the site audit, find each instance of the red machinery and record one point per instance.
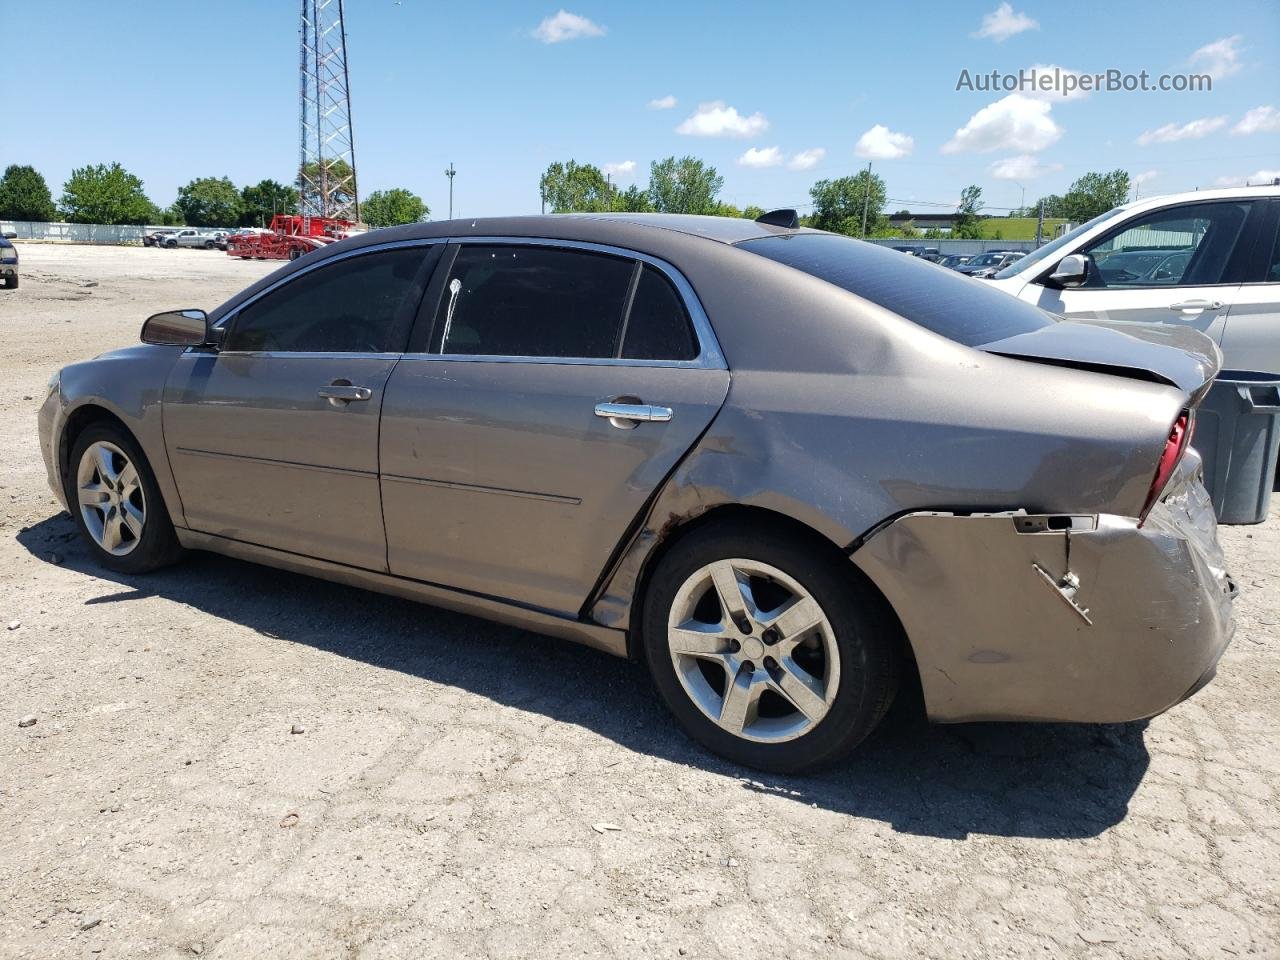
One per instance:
(290, 237)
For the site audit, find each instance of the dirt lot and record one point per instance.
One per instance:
(445, 796)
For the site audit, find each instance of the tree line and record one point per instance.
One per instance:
(110, 194)
(853, 205)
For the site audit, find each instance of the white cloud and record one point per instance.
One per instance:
(1058, 94)
(1022, 167)
(807, 159)
(1145, 177)
(761, 157)
(716, 119)
(620, 171)
(881, 143)
(1015, 123)
(1192, 130)
(1220, 58)
(1260, 176)
(567, 26)
(1259, 120)
(662, 103)
(1003, 22)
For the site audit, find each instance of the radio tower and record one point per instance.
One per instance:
(327, 158)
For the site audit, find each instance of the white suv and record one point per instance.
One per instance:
(1209, 260)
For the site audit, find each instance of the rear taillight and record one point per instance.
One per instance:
(1174, 448)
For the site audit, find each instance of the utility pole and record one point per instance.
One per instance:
(1040, 226)
(1022, 204)
(866, 199)
(451, 173)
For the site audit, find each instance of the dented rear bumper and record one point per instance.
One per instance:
(1081, 619)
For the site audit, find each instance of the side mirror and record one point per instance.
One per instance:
(1071, 271)
(177, 328)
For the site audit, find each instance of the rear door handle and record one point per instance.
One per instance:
(1187, 306)
(340, 394)
(628, 415)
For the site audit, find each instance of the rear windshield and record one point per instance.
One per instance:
(959, 308)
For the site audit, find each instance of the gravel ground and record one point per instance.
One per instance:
(461, 789)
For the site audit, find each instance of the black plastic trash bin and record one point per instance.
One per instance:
(1237, 434)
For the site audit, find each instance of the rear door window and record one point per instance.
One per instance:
(509, 300)
(960, 308)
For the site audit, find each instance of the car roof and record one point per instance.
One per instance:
(1224, 193)
(621, 228)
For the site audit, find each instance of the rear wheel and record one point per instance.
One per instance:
(294, 253)
(768, 651)
(116, 502)
(209, 244)
(11, 283)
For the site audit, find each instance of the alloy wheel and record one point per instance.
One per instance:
(753, 650)
(112, 502)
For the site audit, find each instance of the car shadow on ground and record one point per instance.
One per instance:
(1027, 780)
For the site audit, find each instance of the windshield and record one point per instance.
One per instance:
(941, 300)
(985, 260)
(1049, 249)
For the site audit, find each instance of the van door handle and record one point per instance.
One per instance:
(626, 416)
(341, 393)
(1188, 306)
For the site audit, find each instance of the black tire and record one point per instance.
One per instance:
(294, 253)
(867, 638)
(209, 244)
(158, 546)
(171, 245)
(11, 283)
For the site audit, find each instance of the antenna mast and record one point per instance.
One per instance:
(327, 156)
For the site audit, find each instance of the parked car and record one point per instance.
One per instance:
(191, 238)
(925, 253)
(955, 260)
(8, 264)
(780, 510)
(1208, 260)
(157, 237)
(988, 264)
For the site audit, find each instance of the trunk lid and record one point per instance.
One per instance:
(1175, 355)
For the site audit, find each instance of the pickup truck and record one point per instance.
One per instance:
(191, 238)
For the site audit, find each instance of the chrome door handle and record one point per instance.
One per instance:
(340, 394)
(1186, 306)
(628, 415)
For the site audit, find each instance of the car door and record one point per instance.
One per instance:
(1251, 340)
(273, 438)
(558, 386)
(1174, 265)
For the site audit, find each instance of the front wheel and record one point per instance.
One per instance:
(768, 649)
(294, 253)
(116, 502)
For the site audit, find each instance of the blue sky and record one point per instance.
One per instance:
(783, 94)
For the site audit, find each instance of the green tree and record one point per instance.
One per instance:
(106, 193)
(387, 208)
(634, 199)
(24, 195)
(722, 209)
(686, 185)
(337, 174)
(838, 204)
(209, 202)
(751, 212)
(260, 202)
(575, 188)
(965, 226)
(171, 217)
(1094, 193)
